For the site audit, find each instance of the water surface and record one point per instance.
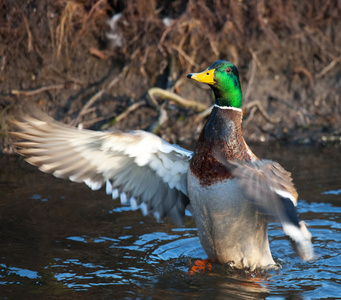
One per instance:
(61, 240)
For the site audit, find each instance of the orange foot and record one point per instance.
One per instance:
(199, 266)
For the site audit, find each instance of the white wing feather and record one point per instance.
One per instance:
(139, 164)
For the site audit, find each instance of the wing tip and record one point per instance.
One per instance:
(306, 252)
(301, 239)
(94, 185)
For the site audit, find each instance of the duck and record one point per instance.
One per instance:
(230, 192)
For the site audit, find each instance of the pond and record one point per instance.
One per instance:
(61, 240)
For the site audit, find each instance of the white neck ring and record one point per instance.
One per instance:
(228, 107)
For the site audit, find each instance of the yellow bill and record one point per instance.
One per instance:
(205, 77)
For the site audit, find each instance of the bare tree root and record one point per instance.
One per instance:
(163, 94)
(39, 90)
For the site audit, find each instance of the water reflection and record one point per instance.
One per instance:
(16, 272)
(59, 238)
(332, 192)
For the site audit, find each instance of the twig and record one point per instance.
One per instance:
(161, 119)
(61, 28)
(329, 67)
(93, 8)
(252, 76)
(2, 112)
(88, 123)
(213, 46)
(29, 34)
(95, 97)
(39, 90)
(251, 108)
(66, 76)
(158, 92)
(306, 73)
(184, 55)
(85, 108)
(98, 53)
(3, 63)
(123, 114)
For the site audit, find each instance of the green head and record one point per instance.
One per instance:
(222, 76)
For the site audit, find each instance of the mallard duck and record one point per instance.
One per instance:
(232, 194)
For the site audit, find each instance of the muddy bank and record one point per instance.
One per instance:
(87, 62)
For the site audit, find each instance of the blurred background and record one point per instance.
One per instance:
(94, 63)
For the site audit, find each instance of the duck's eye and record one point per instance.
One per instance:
(228, 70)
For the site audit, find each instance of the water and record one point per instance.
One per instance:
(61, 240)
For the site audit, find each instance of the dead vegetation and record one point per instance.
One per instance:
(96, 62)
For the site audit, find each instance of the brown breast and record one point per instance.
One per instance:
(221, 137)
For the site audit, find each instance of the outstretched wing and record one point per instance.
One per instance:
(270, 187)
(137, 165)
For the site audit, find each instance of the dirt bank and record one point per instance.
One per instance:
(85, 62)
